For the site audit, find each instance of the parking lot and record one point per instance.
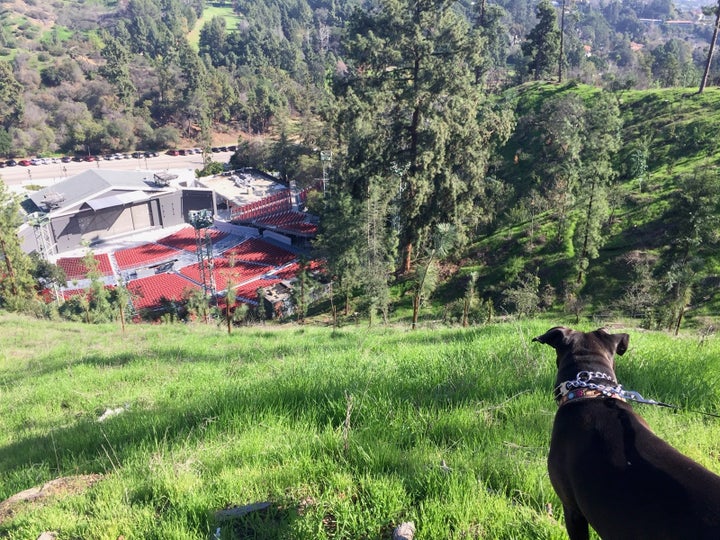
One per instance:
(56, 170)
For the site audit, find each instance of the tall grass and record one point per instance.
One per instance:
(344, 433)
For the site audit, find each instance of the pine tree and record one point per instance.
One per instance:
(542, 44)
(412, 112)
(601, 141)
(12, 104)
(16, 282)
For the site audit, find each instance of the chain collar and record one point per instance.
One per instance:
(583, 387)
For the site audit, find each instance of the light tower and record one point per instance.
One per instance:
(326, 161)
(40, 222)
(201, 220)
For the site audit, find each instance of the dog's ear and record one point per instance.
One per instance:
(621, 343)
(554, 337)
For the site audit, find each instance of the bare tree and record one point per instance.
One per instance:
(703, 82)
(562, 40)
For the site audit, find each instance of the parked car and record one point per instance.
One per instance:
(89, 158)
(66, 159)
(24, 162)
(137, 155)
(11, 163)
(151, 154)
(173, 153)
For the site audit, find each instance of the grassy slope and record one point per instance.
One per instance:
(213, 421)
(210, 12)
(682, 130)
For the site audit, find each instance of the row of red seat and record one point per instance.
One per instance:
(263, 206)
(249, 290)
(282, 218)
(144, 255)
(75, 268)
(148, 292)
(186, 238)
(309, 229)
(258, 250)
(225, 273)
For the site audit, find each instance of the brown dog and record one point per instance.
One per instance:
(605, 464)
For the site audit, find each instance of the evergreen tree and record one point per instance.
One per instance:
(426, 275)
(491, 26)
(16, 283)
(601, 141)
(694, 218)
(12, 104)
(410, 93)
(542, 44)
(339, 242)
(117, 69)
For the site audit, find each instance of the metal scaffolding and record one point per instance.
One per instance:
(40, 222)
(201, 220)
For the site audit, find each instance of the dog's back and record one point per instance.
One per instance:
(606, 465)
(627, 482)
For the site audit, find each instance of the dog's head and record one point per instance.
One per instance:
(584, 351)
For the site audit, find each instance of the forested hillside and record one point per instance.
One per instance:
(107, 76)
(494, 156)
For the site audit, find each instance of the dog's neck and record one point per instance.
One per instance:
(587, 385)
(569, 368)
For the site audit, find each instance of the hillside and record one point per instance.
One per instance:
(667, 138)
(170, 431)
(594, 199)
(108, 76)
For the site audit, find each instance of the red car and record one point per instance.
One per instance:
(173, 153)
(24, 162)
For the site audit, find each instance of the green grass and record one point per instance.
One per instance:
(213, 421)
(232, 20)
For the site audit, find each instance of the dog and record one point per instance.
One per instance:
(608, 468)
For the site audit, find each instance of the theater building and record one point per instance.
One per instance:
(98, 205)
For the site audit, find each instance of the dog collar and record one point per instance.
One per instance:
(584, 393)
(583, 387)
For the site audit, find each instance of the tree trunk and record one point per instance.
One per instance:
(122, 317)
(9, 266)
(482, 13)
(416, 309)
(562, 40)
(586, 236)
(703, 82)
(407, 259)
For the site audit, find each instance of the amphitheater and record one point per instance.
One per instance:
(139, 232)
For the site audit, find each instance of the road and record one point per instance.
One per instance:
(17, 177)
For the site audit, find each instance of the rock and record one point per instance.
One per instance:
(404, 531)
(237, 511)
